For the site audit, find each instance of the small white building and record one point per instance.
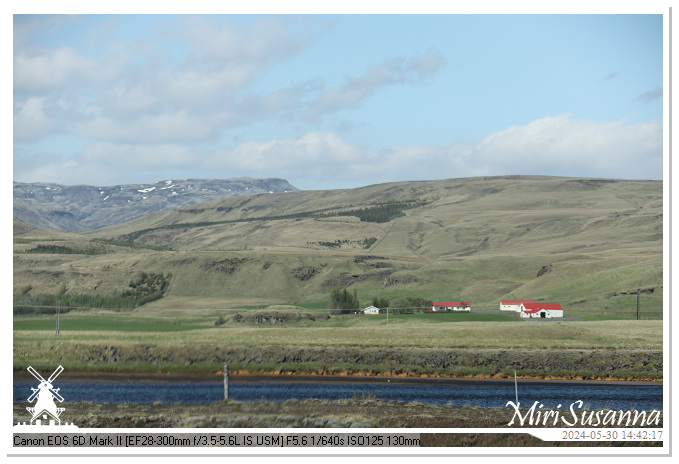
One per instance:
(513, 305)
(451, 305)
(371, 310)
(541, 310)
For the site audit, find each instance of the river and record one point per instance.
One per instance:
(616, 396)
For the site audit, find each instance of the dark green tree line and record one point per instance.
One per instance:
(343, 299)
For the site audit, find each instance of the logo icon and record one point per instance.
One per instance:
(45, 408)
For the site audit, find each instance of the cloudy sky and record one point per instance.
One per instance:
(335, 101)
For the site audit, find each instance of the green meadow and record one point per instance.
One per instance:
(314, 341)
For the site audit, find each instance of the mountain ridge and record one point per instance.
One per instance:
(79, 207)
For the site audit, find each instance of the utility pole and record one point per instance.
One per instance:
(638, 303)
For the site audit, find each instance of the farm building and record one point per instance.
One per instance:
(513, 305)
(541, 310)
(371, 310)
(451, 305)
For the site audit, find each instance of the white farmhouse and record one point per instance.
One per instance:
(513, 305)
(541, 310)
(452, 305)
(371, 310)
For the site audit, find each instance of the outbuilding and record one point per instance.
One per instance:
(513, 305)
(451, 305)
(371, 310)
(541, 310)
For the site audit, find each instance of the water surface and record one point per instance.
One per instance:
(616, 397)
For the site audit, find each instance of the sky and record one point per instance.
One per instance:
(331, 101)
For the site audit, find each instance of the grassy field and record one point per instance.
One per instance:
(125, 322)
(314, 341)
(420, 331)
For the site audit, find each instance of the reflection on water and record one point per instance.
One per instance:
(593, 396)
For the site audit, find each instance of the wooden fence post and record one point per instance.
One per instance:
(226, 382)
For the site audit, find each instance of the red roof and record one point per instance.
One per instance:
(451, 303)
(535, 307)
(516, 302)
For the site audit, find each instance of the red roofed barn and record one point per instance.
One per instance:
(541, 310)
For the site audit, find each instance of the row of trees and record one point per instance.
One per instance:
(380, 212)
(404, 305)
(345, 300)
(62, 250)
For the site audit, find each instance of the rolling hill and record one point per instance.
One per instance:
(588, 243)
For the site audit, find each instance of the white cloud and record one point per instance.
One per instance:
(105, 163)
(391, 71)
(218, 42)
(169, 127)
(572, 147)
(49, 70)
(30, 120)
(319, 152)
(224, 57)
(139, 92)
(121, 158)
(153, 102)
(191, 86)
(558, 145)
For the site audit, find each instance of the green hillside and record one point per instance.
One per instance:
(587, 243)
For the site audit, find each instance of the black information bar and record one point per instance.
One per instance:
(189, 440)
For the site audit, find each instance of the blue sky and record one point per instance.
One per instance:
(336, 101)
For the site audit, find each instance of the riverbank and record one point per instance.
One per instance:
(246, 376)
(324, 361)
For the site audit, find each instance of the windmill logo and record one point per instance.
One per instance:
(45, 408)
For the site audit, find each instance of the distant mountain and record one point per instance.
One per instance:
(78, 207)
